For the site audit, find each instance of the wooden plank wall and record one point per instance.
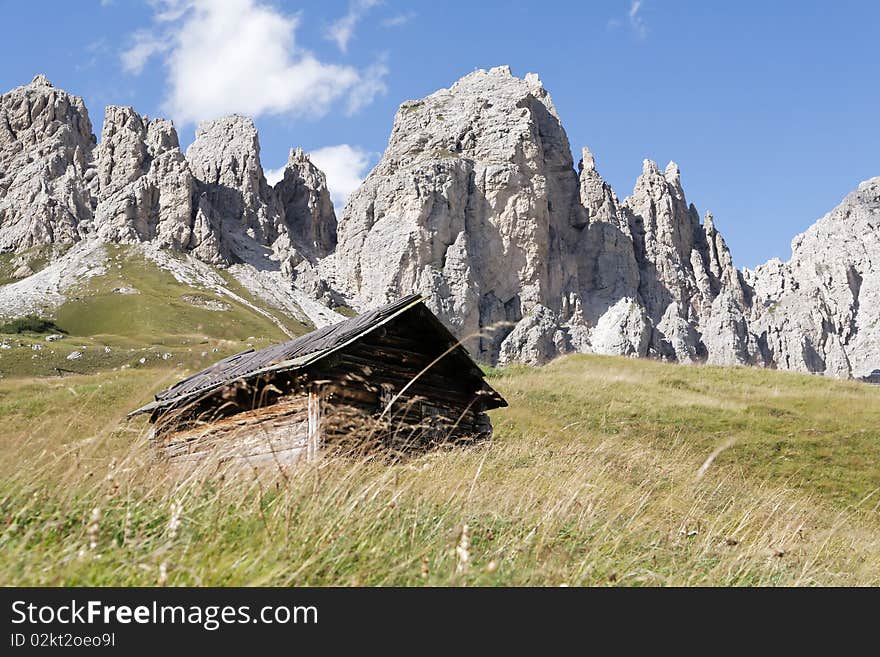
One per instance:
(278, 432)
(315, 412)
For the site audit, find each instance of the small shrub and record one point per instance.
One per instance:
(31, 324)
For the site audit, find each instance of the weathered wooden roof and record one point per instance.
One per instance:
(294, 354)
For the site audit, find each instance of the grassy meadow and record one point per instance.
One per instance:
(136, 315)
(603, 471)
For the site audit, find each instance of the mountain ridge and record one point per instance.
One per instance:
(477, 204)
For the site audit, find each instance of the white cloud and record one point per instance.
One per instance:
(635, 21)
(370, 85)
(399, 19)
(345, 167)
(169, 10)
(241, 56)
(274, 176)
(342, 30)
(144, 45)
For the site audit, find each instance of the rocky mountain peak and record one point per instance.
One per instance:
(226, 151)
(307, 205)
(145, 187)
(649, 168)
(234, 199)
(58, 185)
(161, 136)
(587, 161)
(709, 223)
(672, 174)
(818, 311)
(46, 144)
(40, 80)
(465, 204)
(597, 199)
(476, 204)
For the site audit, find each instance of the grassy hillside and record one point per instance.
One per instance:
(137, 315)
(161, 307)
(35, 259)
(600, 472)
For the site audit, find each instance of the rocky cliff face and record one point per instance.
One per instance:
(46, 144)
(58, 186)
(467, 205)
(820, 311)
(145, 187)
(234, 201)
(476, 204)
(246, 220)
(307, 205)
(692, 294)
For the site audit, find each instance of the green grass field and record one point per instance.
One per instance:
(159, 309)
(164, 323)
(35, 258)
(603, 471)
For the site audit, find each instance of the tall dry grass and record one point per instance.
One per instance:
(528, 508)
(602, 472)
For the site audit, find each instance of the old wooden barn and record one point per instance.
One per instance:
(394, 376)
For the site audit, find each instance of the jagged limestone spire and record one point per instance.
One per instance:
(40, 80)
(649, 167)
(588, 162)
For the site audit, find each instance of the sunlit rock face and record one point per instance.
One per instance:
(476, 204)
(820, 311)
(469, 205)
(308, 208)
(145, 186)
(46, 145)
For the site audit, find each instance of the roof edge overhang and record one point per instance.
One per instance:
(301, 362)
(290, 364)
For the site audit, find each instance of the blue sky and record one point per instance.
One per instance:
(770, 108)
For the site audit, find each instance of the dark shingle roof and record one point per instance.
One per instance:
(290, 355)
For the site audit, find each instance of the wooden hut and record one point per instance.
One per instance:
(394, 376)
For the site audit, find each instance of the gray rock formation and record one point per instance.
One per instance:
(684, 267)
(308, 209)
(468, 206)
(239, 217)
(477, 205)
(534, 339)
(234, 201)
(145, 187)
(607, 296)
(820, 311)
(58, 186)
(46, 144)
(623, 330)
